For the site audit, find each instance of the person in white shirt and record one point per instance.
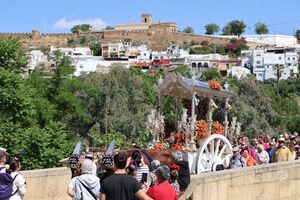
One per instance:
(90, 156)
(19, 185)
(85, 186)
(262, 155)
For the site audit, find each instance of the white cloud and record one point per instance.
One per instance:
(63, 23)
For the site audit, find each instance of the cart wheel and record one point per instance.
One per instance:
(211, 153)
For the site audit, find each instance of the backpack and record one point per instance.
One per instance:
(6, 186)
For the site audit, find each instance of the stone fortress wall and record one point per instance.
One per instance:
(265, 182)
(157, 38)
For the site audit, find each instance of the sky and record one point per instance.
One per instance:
(58, 16)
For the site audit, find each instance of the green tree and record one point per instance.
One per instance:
(27, 121)
(109, 28)
(96, 48)
(211, 28)
(254, 109)
(83, 41)
(81, 28)
(278, 72)
(183, 70)
(15, 101)
(261, 28)
(71, 42)
(234, 27)
(12, 55)
(122, 104)
(210, 74)
(188, 29)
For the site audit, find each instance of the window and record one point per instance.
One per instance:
(294, 58)
(194, 65)
(258, 55)
(279, 58)
(80, 66)
(258, 62)
(288, 58)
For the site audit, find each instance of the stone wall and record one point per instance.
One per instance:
(157, 39)
(267, 182)
(47, 184)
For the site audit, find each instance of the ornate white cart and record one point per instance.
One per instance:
(215, 149)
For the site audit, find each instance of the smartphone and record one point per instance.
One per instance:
(144, 177)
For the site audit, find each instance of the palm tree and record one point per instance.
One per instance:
(278, 72)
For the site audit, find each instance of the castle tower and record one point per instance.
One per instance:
(35, 34)
(146, 18)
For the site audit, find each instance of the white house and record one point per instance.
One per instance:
(76, 51)
(262, 62)
(273, 40)
(239, 71)
(35, 57)
(86, 64)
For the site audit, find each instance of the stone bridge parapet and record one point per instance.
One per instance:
(265, 182)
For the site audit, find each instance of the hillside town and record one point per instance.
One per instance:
(260, 58)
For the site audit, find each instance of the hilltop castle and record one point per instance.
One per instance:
(147, 24)
(158, 35)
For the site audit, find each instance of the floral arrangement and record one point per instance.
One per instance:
(201, 129)
(213, 84)
(158, 147)
(161, 146)
(218, 128)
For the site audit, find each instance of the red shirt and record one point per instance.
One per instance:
(163, 191)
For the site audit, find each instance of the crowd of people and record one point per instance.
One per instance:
(264, 149)
(133, 179)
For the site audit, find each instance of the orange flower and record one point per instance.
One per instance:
(158, 147)
(201, 129)
(178, 146)
(218, 128)
(213, 84)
